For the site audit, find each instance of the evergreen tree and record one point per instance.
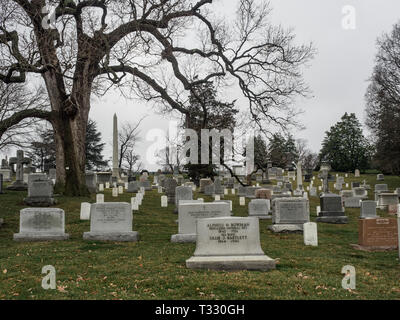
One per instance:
(206, 112)
(282, 151)
(345, 146)
(94, 147)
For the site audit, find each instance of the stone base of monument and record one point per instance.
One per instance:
(18, 186)
(262, 217)
(229, 243)
(286, 228)
(37, 236)
(184, 238)
(257, 262)
(130, 236)
(373, 248)
(332, 219)
(40, 201)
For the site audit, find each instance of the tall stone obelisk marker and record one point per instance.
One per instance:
(299, 176)
(115, 171)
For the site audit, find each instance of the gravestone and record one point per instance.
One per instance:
(6, 174)
(91, 181)
(346, 193)
(368, 209)
(85, 211)
(264, 194)
(241, 191)
(379, 188)
(145, 184)
(170, 186)
(251, 192)
(204, 183)
(164, 201)
(40, 191)
(19, 161)
(52, 174)
(355, 184)
(259, 208)
(226, 201)
(361, 193)
(229, 244)
(100, 198)
(310, 234)
(41, 224)
(357, 173)
(104, 177)
(340, 180)
(189, 212)
(289, 214)
(331, 209)
(134, 204)
(182, 193)
(111, 221)
(288, 186)
(338, 186)
(387, 199)
(313, 192)
(352, 202)
(218, 187)
(209, 190)
(115, 192)
(377, 234)
(380, 177)
(1, 183)
(133, 187)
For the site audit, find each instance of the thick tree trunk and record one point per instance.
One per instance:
(70, 136)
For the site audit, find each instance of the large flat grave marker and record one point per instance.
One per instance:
(41, 224)
(111, 221)
(229, 244)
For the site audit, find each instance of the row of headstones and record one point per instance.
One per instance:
(210, 225)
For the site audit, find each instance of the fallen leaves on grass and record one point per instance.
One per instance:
(61, 289)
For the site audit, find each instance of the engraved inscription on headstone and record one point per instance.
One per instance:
(229, 243)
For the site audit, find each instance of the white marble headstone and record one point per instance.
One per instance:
(164, 201)
(99, 198)
(85, 211)
(115, 192)
(310, 234)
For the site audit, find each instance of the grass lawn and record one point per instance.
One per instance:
(154, 268)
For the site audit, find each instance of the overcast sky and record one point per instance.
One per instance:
(337, 76)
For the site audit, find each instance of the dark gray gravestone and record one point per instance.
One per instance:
(170, 186)
(133, 187)
(1, 183)
(331, 209)
(40, 192)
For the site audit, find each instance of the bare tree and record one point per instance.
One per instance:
(128, 136)
(17, 103)
(132, 163)
(137, 45)
(170, 157)
(383, 103)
